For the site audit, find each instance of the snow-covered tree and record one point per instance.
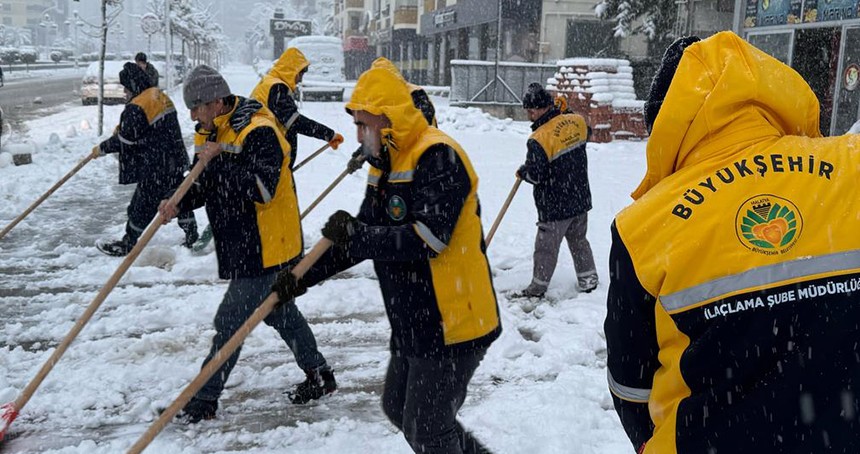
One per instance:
(195, 24)
(14, 36)
(653, 19)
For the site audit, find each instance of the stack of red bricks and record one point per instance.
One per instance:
(601, 90)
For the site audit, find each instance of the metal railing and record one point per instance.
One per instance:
(471, 81)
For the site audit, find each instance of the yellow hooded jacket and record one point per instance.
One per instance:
(249, 196)
(286, 69)
(419, 96)
(420, 224)
(732, 320)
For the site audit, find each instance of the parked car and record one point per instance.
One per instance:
(325, 78)
(114, 92)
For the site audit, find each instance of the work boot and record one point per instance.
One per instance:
(197, 410)
(587, 283)
(191, 237)
(118, 248)
(532, 291)
(319, 382)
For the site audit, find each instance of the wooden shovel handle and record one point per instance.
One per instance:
(226, 351)
(503, 210)
(313, 155)
(47, 194)
(103, 293)
(325, 193)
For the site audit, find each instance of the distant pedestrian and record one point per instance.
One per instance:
(276, 92)
(557, 166)
(151, 155)
(147, 67)
(1, 77)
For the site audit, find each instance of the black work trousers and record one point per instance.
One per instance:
(422, 397)
(144, 206)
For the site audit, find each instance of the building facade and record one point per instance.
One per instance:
(570, 29)
(352, 20)
(393, 33)
(468, 30)
(820, 40)
(44, 19)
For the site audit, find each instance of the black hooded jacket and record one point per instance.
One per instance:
(148, 137)
(557, 166)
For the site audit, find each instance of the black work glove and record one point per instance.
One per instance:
(523, 174)
(355, 162)
(287, 286)
(339, 227)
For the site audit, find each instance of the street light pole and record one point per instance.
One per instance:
(167, 41)
(77, 49)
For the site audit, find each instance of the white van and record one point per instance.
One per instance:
(325, 78)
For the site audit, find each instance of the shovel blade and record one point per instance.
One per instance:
(8, 413)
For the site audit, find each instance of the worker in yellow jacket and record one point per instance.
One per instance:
(420, 224)
(733, 313)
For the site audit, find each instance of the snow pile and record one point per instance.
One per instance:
(606, 81)
(473, 118)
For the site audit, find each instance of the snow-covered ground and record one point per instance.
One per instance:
(541, 388)
(25, 73)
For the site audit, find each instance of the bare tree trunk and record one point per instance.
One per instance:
(102, 68)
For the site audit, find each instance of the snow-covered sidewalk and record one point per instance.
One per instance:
(541, 388)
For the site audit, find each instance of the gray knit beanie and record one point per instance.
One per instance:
(204, 84)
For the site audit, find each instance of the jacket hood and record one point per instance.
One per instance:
(386, 64)
(725, 96)
(134, 79)
(380, 92)
(289, 65)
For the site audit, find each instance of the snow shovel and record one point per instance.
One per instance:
(503, 210)
(9, 411)
(218, 360)
(46, 195)
(325, 193)
(308, 159)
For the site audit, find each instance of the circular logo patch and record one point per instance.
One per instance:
(768, 224)
(396, 208)
(852, 77)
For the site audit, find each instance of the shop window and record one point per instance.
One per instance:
(774, 44)
(725, 6)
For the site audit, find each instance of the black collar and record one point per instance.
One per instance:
(549, 115)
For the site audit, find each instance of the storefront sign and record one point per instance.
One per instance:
(829, 10)
(383, 35)
(444, 18)
(290, 27)
(852, 77)
(763, 13)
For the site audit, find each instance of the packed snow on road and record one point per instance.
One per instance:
(540, 389)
